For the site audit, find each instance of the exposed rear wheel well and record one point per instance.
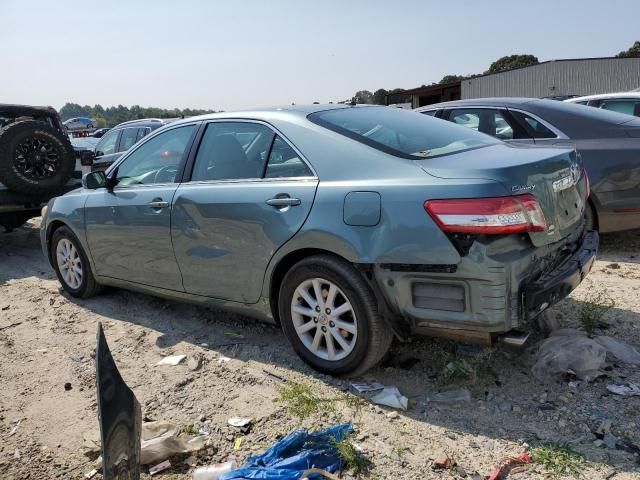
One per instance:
(281, 270)
(594, 215)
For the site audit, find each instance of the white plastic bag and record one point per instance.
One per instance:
(559, 354)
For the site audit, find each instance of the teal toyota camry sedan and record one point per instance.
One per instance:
(345, 225)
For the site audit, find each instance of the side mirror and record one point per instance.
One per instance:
(98, 154)
(86, 157)
(94, 180)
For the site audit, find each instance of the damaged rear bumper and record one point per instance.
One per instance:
(557, 284)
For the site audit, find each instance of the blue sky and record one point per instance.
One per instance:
(226, 54)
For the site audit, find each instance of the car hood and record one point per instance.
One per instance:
(525, 169)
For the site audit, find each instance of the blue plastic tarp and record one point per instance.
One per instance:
(292, 455)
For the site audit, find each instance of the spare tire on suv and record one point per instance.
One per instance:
(35, 158)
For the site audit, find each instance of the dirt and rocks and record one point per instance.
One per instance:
(234, 366)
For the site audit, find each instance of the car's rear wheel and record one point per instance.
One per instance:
(71, 264)
(330, 316)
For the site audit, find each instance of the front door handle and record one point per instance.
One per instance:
(280, 202)
(158, 203)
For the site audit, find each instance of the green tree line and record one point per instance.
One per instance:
(112, 116)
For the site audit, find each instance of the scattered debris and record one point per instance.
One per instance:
(243, 423)
(159, 467)
(290, 457)
(558, 354)
(224, 359)
(67, 386)
(547, 322)
(194, 363)
(238, 443)
(625, 389)
(172, 360)
(391, 397)
(91, 473)
(273, 376)
(610, 441)
(575, 383)
(365, 387)
(457, 395)
(393, 415)
(444, 462)
(161, 440)
(213, 472)
(510, 465)
(10, 325)
(15, 428)
(614, 266)
(619, 349)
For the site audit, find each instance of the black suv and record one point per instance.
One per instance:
(121, 138)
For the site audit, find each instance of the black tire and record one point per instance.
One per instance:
(591, 222)
(373, 335)
(23, 166)
(88, 286)
(11, 221)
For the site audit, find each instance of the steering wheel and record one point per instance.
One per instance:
(169, 171)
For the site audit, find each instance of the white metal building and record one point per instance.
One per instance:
(580, 76)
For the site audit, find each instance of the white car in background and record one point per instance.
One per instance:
(623, 102)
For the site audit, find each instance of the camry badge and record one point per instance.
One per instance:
(522, 188)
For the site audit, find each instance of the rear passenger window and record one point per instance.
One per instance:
(232, 151)
(539, 129)
(431, 113)
(629, 107)
(483, 120)
(143, 132)
(128, 138)
(284, 162)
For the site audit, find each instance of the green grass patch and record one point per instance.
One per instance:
(559, 460)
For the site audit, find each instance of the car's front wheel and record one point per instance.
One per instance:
(330, 316)
(71, 264)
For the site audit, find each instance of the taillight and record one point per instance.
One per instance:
(492, 216)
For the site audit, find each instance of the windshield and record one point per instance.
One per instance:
(400, 132)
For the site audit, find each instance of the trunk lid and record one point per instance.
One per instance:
(553, 175)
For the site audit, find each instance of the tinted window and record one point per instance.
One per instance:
(399, 132)
(629, 107)
(128, 138)
(143, 132)
(231, 151)
(285, 162)
(536, 127)
(157, 160)
(107, 145)
(431, 113)
(484, 120)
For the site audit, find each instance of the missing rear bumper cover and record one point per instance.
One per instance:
(438, 296)
(408, 267)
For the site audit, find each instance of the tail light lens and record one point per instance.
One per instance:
(491, 216)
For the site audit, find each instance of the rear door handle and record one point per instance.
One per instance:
(158, 203)
(280, 202)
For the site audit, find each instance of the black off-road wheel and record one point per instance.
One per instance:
(71, 264)
(35, 158)
(330, 316)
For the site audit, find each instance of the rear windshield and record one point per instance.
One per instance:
(400, 132)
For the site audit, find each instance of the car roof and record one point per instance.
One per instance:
(487, 102)
(264, 114)
(603, 96)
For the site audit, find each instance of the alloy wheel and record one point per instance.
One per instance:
(69, 263)
(324, 319)
(36, 158)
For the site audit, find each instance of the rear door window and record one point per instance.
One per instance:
(284, 162)
(143, 132)
(128, 138)
(486, 120)
(536, 127)
(628, 106)
(232, 151)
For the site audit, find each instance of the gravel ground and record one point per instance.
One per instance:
(47, 339)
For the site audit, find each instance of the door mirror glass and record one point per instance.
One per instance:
(94, 180)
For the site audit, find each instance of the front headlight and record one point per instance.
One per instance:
(43, 211)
